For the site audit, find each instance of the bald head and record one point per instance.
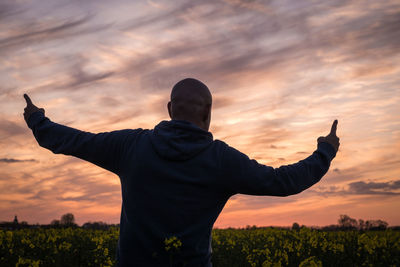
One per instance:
(191, 100)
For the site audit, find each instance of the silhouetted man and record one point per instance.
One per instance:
(175, 178)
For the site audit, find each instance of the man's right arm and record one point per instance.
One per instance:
(103, 149)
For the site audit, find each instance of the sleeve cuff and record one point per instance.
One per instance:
(327, 148)
(35, 118)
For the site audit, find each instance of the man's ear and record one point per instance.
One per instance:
(169, 109)
(207, 112)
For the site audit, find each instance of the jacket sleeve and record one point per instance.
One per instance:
(103, 149)
(247, 176)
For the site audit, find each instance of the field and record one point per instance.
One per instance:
(231, 247)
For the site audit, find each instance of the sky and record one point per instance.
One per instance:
(279, 71)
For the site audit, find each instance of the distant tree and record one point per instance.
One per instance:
(347, 223)
(251, 227)
(361, 224)
(295, 226)
(376, 225)
(382, 225)
(332, 227)
(95, 225)
(68, 219)
(55, 223)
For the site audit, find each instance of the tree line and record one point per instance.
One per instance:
(66, 220)
(345, 222)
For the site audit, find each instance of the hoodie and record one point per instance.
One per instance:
(175, 181)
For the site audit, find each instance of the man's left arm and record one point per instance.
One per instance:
(102, 149)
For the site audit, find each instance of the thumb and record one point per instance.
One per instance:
(28, 100)
(334, 128)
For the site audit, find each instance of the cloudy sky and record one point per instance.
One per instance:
(280, 72)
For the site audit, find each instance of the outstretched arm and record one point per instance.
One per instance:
(247, 176)
(103, 149)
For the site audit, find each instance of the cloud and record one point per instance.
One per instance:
(167, 17)
(241, 202)
(11, 128)
(94, 198)
(302, 153)
(278, 45)
(35, 31)
(77, 76)
(8, 8)
(109, 101)
(234, 51)
(373, 188)
(221, 101)
(11, 160)
(80, 77)
(390, 188)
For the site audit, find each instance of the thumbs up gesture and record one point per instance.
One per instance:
(30, 108)
(331, 138)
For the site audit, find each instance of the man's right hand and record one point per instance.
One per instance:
(30, 108)
(331, 138)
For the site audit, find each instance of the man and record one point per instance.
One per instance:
(175, 179)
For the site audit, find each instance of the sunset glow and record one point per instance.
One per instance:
(280, 72)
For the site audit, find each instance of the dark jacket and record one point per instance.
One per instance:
(175, 181)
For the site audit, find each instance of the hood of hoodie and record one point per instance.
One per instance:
(179, 140)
